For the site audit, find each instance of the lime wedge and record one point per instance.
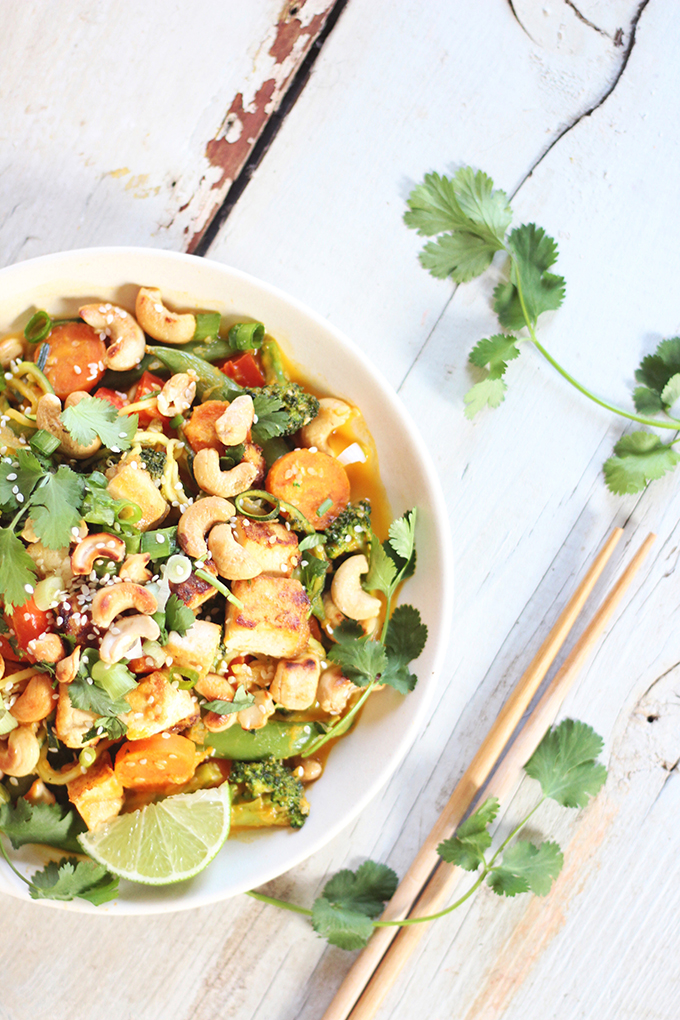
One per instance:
(165, 842)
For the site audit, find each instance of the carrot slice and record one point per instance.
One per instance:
(314, 482)
(153, 761)
(75, 360)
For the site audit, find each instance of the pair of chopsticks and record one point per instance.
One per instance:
(428, 884)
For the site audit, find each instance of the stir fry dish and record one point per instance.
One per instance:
(195, 603)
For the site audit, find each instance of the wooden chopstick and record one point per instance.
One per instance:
(374, 971)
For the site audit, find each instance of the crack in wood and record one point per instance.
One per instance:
(582, 17)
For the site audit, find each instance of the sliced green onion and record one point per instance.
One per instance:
(114, 678)
(184, 677)
(129, 513)
(42, 357)
(44, 442)
(177, 569)
(159, 544)
(37, 327)
(211, 579)
(246, 336)
(177, 421)
(207, 325)
(132, 543)
(298, 519)
(325, 506)
(4, 795)
(87, 757)
(152, 650)
(7, 722)
(46, 592)
(103, 566)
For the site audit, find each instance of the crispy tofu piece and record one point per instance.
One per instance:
(295, 682)
(197, 649)
(98, 794)
(71, 723)
(274, 619)
(155, 705)
(270, 543)
(200, 431)
(253, 455)
(137, 485)
(195, 591)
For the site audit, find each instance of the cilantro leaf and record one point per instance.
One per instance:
(525, 868)
(271, 417)
(53, 824)
(656, 369)
(91, 698)
(465, 202)
(21, 475)
(533, 253)
(402, 535)
(241, 700)
(382, 572)
(361, 659)
(461, 256)
(639, 457)
(472, 837)
(178, 616)
(92, 417)
(55, 507)
(109, 726)
(564, 764)
(487, 393)
(71, 877)
(349, 900)
(494, 353)
(405, 640)
(17, 570)
(647, 401)
(671, 391)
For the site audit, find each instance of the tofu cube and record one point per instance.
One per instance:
(71, 723)
(295, 682)
(195, 591)
(155, 705)
(270, 543)
(135, 484)
(98, 794)
(274, 619)
(197, 649)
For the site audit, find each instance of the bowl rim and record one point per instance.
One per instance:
(182, 897)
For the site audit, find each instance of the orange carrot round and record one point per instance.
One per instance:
(75, 360)
(153, 761)
(314, 482)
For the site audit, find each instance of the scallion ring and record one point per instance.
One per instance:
(129, 513)
(38, 327)
(178, 569)
(298, 519)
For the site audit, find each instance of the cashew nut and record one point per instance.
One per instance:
(332, 414)
(115, 324)
(36, 701)
(67, 669)
(255, 717)
(47, 648)
(48, 417)
(10, 349)
(40, 794)
(213, 687)
(235, 424)
(222, 483)
(20, 753)
(347, 593)
(159, 322)
(308, 770)
(134, 568)
(230, 558)
(109, 602)
(334, 691)
(98, 546)
(197, 520)
(177, 395)
(120, 640)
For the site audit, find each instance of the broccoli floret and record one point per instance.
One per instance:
(350, 531)
(299, 406)
(273, 783)
(154, 461)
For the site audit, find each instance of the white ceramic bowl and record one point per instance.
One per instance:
(362, 763)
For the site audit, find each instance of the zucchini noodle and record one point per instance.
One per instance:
(31, 392)
(15, 678)
(148, 404)
(48, 774)
(171, 485)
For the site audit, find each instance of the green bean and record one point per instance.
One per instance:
(211, 384)
(272, 362)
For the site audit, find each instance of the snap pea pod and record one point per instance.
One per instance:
(211, 384)
(213, 349)
(275, 740)
(272, 362)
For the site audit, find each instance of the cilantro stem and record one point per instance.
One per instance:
(674, 424)
(433, 917)
(339, 727)
(279, 903)
(17, 873)
(518, 828)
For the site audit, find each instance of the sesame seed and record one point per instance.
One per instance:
(77, 369)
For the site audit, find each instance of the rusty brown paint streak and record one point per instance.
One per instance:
(543, 918)
(230, 156)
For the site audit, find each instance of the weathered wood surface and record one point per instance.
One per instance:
(395, 93)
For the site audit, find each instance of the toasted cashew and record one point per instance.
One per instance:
(177, 395)
(308, 770)
(255, 717)
(222, 483)
(235, 424)
(113, 323)
(20, 753)
(216, 687)
(110, 601)
(40, 794)
(67, 669)
(121, 639)
(197, 520)
(159, 322)
(134, 568)
(48, 417)
(332, 414)
(47, 648)
(11, 349)
(230, 558)
(36, 701)
(347, 593)
(334, 691)
(98, 546)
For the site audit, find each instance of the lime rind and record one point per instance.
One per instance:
(163, 843)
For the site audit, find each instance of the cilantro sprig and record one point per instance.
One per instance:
(564, 764)
(368, 661)
(92, 417)
(469, 220)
